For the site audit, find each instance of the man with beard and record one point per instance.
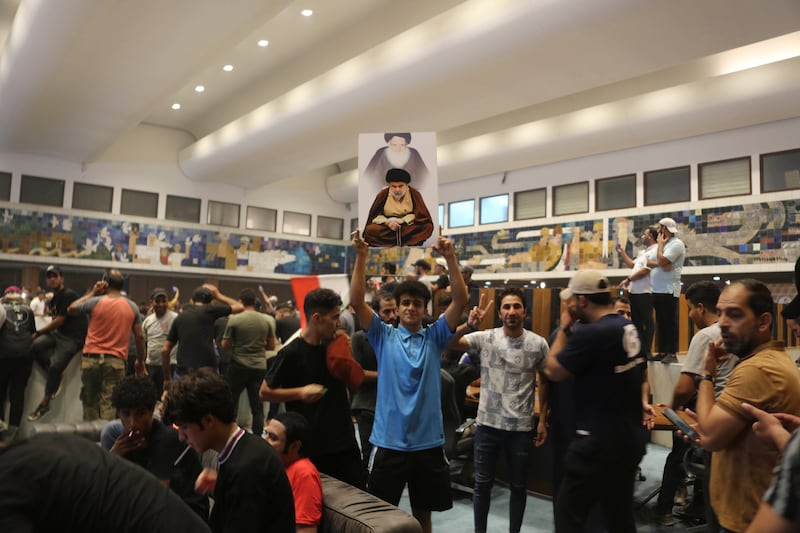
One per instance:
(511, 359)
(766, 378)
(397, 154)
(398, 216)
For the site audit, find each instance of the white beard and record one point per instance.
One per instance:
(397, 159)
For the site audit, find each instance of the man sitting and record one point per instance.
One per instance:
(141, 439)
(287, 433)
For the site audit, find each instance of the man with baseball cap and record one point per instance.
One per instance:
(604, 356)
(665, 279)
(155, 326)
(58, 342)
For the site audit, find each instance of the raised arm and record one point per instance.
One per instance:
(362, 310)
(236, 307)
(458, 289)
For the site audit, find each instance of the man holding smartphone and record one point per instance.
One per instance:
(665, 279)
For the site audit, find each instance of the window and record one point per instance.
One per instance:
(353, 224)
(92, 197)
(223, 214)
(296, 223)
(441, 215)
(262, 218)
(494, 209)
(615, 193)
(724, 178)
(530, 204)
(5, 186)
(330, 228)
(461, 214)
(183, 208)
(139, 203)
(780, 171)
(666, 186)
(41, 191)
(570, 199)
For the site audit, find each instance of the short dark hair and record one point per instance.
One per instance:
(297, 429)
(412, 288)
(202, 295)
(199, 393)
(653, 231)
(321, 301)
(114, 278)
(703, 292)
(513, 291)
(381, 297)
(759, 299)
(623, 300)
(601, 298)
(424, 265)
(445, 299)
(391, 268)
(248, 297)
(135, 391)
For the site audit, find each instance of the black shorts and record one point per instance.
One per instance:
(427, 473)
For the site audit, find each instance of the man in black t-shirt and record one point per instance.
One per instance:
(141, 439)
(193, 331)
(17, 326)
(58, 342)
(65, 483)
(251, 491)
(299, 377)
(604, 357)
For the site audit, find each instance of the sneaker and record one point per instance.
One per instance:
(669, 358)
(40, 412)
(666, 519)
(59, 389)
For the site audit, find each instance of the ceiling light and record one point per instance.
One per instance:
(263, 42)
(176, 106)
(542, 285)
(306, 12)
(200, 88)
(227, 68)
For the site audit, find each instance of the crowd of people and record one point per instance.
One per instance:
(170, 378)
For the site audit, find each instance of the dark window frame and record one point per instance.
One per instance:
(80, 184)
(597, 185)
(564, 186)
(516, 211)
(761, 170)
(480, 208)
(688, 184)
(707, 163)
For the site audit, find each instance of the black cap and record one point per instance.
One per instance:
(398, 175)
(53, 269)
(158, 292)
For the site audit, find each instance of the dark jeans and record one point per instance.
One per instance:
(642, 318)
(666, 306)
(516, 447)
(673, 474)
(589, 481)
(365, 419)
(14, 374)
(242, 378)
(53, 351)
(156, 373)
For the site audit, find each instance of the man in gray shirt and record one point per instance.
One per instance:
(511, 359)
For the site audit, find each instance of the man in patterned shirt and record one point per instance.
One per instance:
(511, 358)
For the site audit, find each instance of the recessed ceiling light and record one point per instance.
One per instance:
(227, 68)
(263, 42)
(200, 88)
(176, 106)
(306, 12)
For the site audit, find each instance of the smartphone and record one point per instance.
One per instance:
(680, 423)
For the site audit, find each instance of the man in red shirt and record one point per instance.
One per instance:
(287, 432)
(112, 318)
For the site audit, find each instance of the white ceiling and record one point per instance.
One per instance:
(504, 83)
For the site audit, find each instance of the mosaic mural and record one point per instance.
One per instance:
(750, 234)
(38, 233)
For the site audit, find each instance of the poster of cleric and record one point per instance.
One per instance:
(398, 201)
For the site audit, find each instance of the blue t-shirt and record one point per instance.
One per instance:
(408, 413)
(604, 356)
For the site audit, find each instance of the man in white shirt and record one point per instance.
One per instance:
(639, 287)
(156, 326)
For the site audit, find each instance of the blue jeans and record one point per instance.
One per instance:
(516, 445)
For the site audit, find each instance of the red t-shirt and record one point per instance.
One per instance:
(307, 492)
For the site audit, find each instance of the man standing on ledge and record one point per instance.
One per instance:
(398, 216)
(665, 277)
(604, 356)
(408, 432)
